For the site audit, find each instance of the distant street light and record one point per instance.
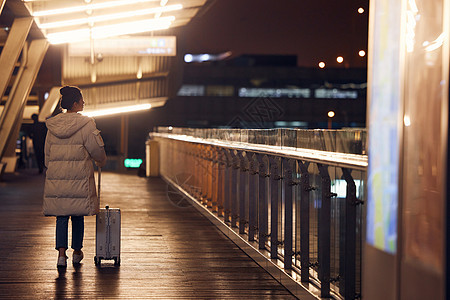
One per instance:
(331, 114)
(362, 53)
(321, 65)
(360, 10)
(340, 59)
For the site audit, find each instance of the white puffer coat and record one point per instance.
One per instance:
(72, 142)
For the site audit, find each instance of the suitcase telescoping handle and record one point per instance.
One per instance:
(99, 184)
(99, 179)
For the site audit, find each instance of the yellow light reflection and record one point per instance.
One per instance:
(116, 110)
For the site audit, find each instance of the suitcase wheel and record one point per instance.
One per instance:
(97, 261)
(117, 261)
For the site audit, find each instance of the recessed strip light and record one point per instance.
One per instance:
(110, 30)
(94, 6)
(109, 17)
(116, 110)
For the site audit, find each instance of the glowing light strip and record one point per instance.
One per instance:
(134, 13)
(116, 110)
(94, 6)
(110, 30)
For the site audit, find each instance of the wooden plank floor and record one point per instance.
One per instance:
(168, 252)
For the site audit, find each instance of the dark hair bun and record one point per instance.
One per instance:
(65, 90)
(70, 95)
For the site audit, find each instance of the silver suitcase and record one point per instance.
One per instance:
(107, 236)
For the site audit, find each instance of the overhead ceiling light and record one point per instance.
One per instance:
(67, 10)
(116, 110)
(110, 30)
(109, 17)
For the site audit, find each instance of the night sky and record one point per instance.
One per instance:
(318, 30)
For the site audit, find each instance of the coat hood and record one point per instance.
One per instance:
(65, 125)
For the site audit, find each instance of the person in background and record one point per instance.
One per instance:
(73, 142)
(38, 134)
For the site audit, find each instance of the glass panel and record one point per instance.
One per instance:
(425, 136)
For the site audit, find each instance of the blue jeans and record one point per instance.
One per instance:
(77, 232)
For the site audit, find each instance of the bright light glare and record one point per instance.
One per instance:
(134, 13)
(116, 110)
(94, 6)
(360, 10)
(340, 59)
(110, 30)
(321, 65)
(407, 120)
(331, 114)
(188, 58)
(362, 53)
(204, 57)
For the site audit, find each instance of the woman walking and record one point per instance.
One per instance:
(72, 142)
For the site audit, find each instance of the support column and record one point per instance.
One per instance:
(123, 140)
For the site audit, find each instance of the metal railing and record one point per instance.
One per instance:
(303, 207)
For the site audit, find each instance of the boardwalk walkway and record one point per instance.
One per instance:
(168, 252)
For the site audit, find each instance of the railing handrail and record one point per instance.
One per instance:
(344, 160)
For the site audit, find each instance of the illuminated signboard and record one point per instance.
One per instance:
(127, 46)
(132, 162)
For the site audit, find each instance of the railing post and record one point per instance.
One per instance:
(252, 197)
(347, 255)
(275, 175)
(214, 178)
(235, 185)
(227, 184)
(289, 184)
(221, 181)
(324, 232)
(263, 203)
(209, 175)
(304, 221)
(198, 172)
(204, 178)
(243, 191)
